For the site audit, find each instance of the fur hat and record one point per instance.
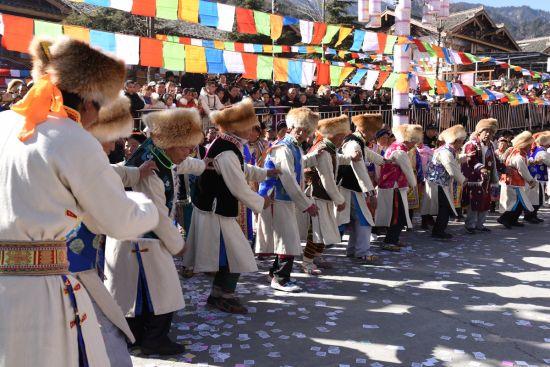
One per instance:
(77, 68)
(238, 117)
(408, 132)
(368, 122)
(542, 138)
(452, 134)
(484, 124)
(114, 121)
(178, 127)
(302, 117)
(523, 140)
(334, 126)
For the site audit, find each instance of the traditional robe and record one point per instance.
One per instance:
(58, 176)
(514, 182)
(539, 171)
(442, 170)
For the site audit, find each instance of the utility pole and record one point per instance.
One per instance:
(150, 34)
(402, 62)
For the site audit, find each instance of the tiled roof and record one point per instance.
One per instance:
(461, 17)
(53, 8)
(540, 44)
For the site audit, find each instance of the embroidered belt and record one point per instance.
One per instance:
(33, 258)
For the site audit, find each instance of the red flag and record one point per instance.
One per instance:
(245, 21)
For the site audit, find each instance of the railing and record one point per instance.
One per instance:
(524, 116)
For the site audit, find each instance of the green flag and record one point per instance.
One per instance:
(335, 72)
(331, 32)
(173, 56)
(48, 29)
(229, 46)
(167, 9)
(264, 67)
(390, 82)
(263, 22)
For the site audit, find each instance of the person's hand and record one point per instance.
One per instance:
(273, 172)
(341, 207)
(208, 161)
(267, 202)
(146, 169)
(533, 184)
(356, 157)
(313, 210)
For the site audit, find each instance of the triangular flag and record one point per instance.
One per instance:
(319, 31)
(331, 32)
(344, 32)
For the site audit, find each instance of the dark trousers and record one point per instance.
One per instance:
(282, 267)
(398, 220)
(226, 280)
(150, 329)
(534, 214)
(511, 217)
(443, 212)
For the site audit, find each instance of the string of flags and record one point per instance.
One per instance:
(248, 21)
(193, 58)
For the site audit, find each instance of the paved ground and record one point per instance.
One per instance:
(480, 300)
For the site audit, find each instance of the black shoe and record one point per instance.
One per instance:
(166, 348)
(484, 229)
(539, 220)
(442, 235)
(532, 220)
(518, 224)
(507, 225)
(470, 230)
(212, 301)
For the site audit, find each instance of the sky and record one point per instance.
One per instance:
(535, 4)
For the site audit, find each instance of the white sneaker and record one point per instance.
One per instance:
(310, 268)
(289, 287)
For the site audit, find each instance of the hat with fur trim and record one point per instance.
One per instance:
(238, 117)
(484, 124)
(114, 121)
(178, 127)
(452, 134)
(303, 118)
(334, 126)
(542, 138)
(523, 140)
(408, 133)
(77, 68)
(368, 122)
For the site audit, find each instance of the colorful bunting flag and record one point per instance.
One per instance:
(250, 62)
(358, 39)
(331, 32)
(173, 56)
(195, 60)
(146, 8)
(390, 42)
(189, 11)
(167, 9)
(18, 33)
(344, 32)
(233, 62)
(208, 13)
(79, 33)
(105, 41)
(265, 67)
(47, 29)
(124, 5)
(263, 23)
(276, 26)
(294, 72)
(245, 21)
(306, 31)
(308, 72)
(280, 69)
(346, 71)
(319, 31)
(127, 48)
(227, 19)
(150, 52)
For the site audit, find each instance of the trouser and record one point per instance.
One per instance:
(359, 238)
(398, 220)
(114, 339)
(475, 219)
(150, 329)
(511, 217)
(444, 211)
(312, 249)
(281, 268)
(225, 283)
(534, 214)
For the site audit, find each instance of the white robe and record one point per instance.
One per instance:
(206, 227)
(278, 231)
(60, 169)
(384, 209)
(360, 171)
(121, 265)
(430, 201)
(324, 226)
(534, 193)
(508, 195)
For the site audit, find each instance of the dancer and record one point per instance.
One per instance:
(513, 197)
(443, 169)
(396, 176)
(278, 231)
(539, 160)
(357, 188)
(216, 242)
(322, 188)
(56, 175)
(141, 274)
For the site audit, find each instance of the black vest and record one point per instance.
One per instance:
(311, 175)
(148, 151)
(346, 177)
(213, 195)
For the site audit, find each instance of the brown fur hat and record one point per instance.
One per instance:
(452, 134)
(114, 121)
(484, 124)
(542, 138)
(523, 140)
(302, 117)
(334, 126)
(368, 122)
(77, 68)
(178, 127)
(238, 117)
(409, 133)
